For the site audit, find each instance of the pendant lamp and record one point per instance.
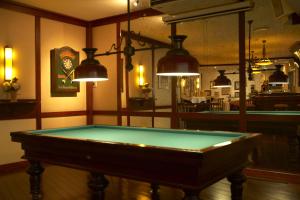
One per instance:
(90, 69)
(264, 61)
(278, 77)
(177, 61)
(222, 81)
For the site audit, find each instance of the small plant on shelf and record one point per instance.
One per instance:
(145, 90)
(11, 87)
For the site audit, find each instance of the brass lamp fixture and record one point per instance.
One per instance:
(90, 69)
(8, 63)
(177, 61)
(278, 77)
(222, 81)
(264, 61)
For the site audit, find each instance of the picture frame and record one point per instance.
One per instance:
(207, 93)
(236, 85)
(212, 84)
(163, 82)
(216, 94)
(237, 95)
(63, 62)
(225, 91)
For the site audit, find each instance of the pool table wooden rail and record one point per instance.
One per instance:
(184, 169)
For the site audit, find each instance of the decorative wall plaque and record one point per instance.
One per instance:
(63, 63)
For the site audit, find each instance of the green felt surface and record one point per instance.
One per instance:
(254, 112)
(180, 139)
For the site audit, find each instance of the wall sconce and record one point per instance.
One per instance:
(8, 60)
(198, 83)
(141, 79)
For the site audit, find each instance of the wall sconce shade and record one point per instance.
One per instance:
(264, 61)
(141, 80)
(278, 77)
(178, 61)
(8, 63)
(222, 80)
(90, 69)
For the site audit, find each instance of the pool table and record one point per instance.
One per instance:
(191, 160)
(279, 148)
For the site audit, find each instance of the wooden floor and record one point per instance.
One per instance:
(61, 183)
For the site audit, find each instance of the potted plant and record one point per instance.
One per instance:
(11, 87)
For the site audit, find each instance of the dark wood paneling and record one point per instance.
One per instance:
(273, 175)
(38, 71)
(119, 73)
(242, 70)
(13, 167)
(89, 86)
(23, 8)
(22, 109)
(62, 114)
(123, 17)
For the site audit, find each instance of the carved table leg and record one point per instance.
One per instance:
(154, 191)
(35, 170)
(97, 184)
(237, 179)
(191, 195)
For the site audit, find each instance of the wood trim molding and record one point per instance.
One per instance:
(119, 73)
(38, 91)
(274, 176)
(123, 17)
(89, 86)
(23, 8)
(63, 114)
(13, 167)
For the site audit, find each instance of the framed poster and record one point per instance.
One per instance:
(163, 82)
(225, 91)
(237, 95)
(236, 85)
(63, 63)
(212, 84)
(207, 93)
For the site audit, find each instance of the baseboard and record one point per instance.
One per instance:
(273, 176)
(13, 167)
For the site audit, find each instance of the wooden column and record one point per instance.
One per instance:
(89, 85)
(38, 71)
(174, 119)
(242, 71)
(153, 83)
(119, 75)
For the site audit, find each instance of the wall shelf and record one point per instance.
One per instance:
(22, 108)
(138, 103)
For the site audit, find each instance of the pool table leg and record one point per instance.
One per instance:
(97, 184)
(237, 179)
(191, 195)
(35, 170)
(154, 191)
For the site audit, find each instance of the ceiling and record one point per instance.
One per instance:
(211, 41)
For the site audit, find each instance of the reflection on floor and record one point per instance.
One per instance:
(61, 183)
